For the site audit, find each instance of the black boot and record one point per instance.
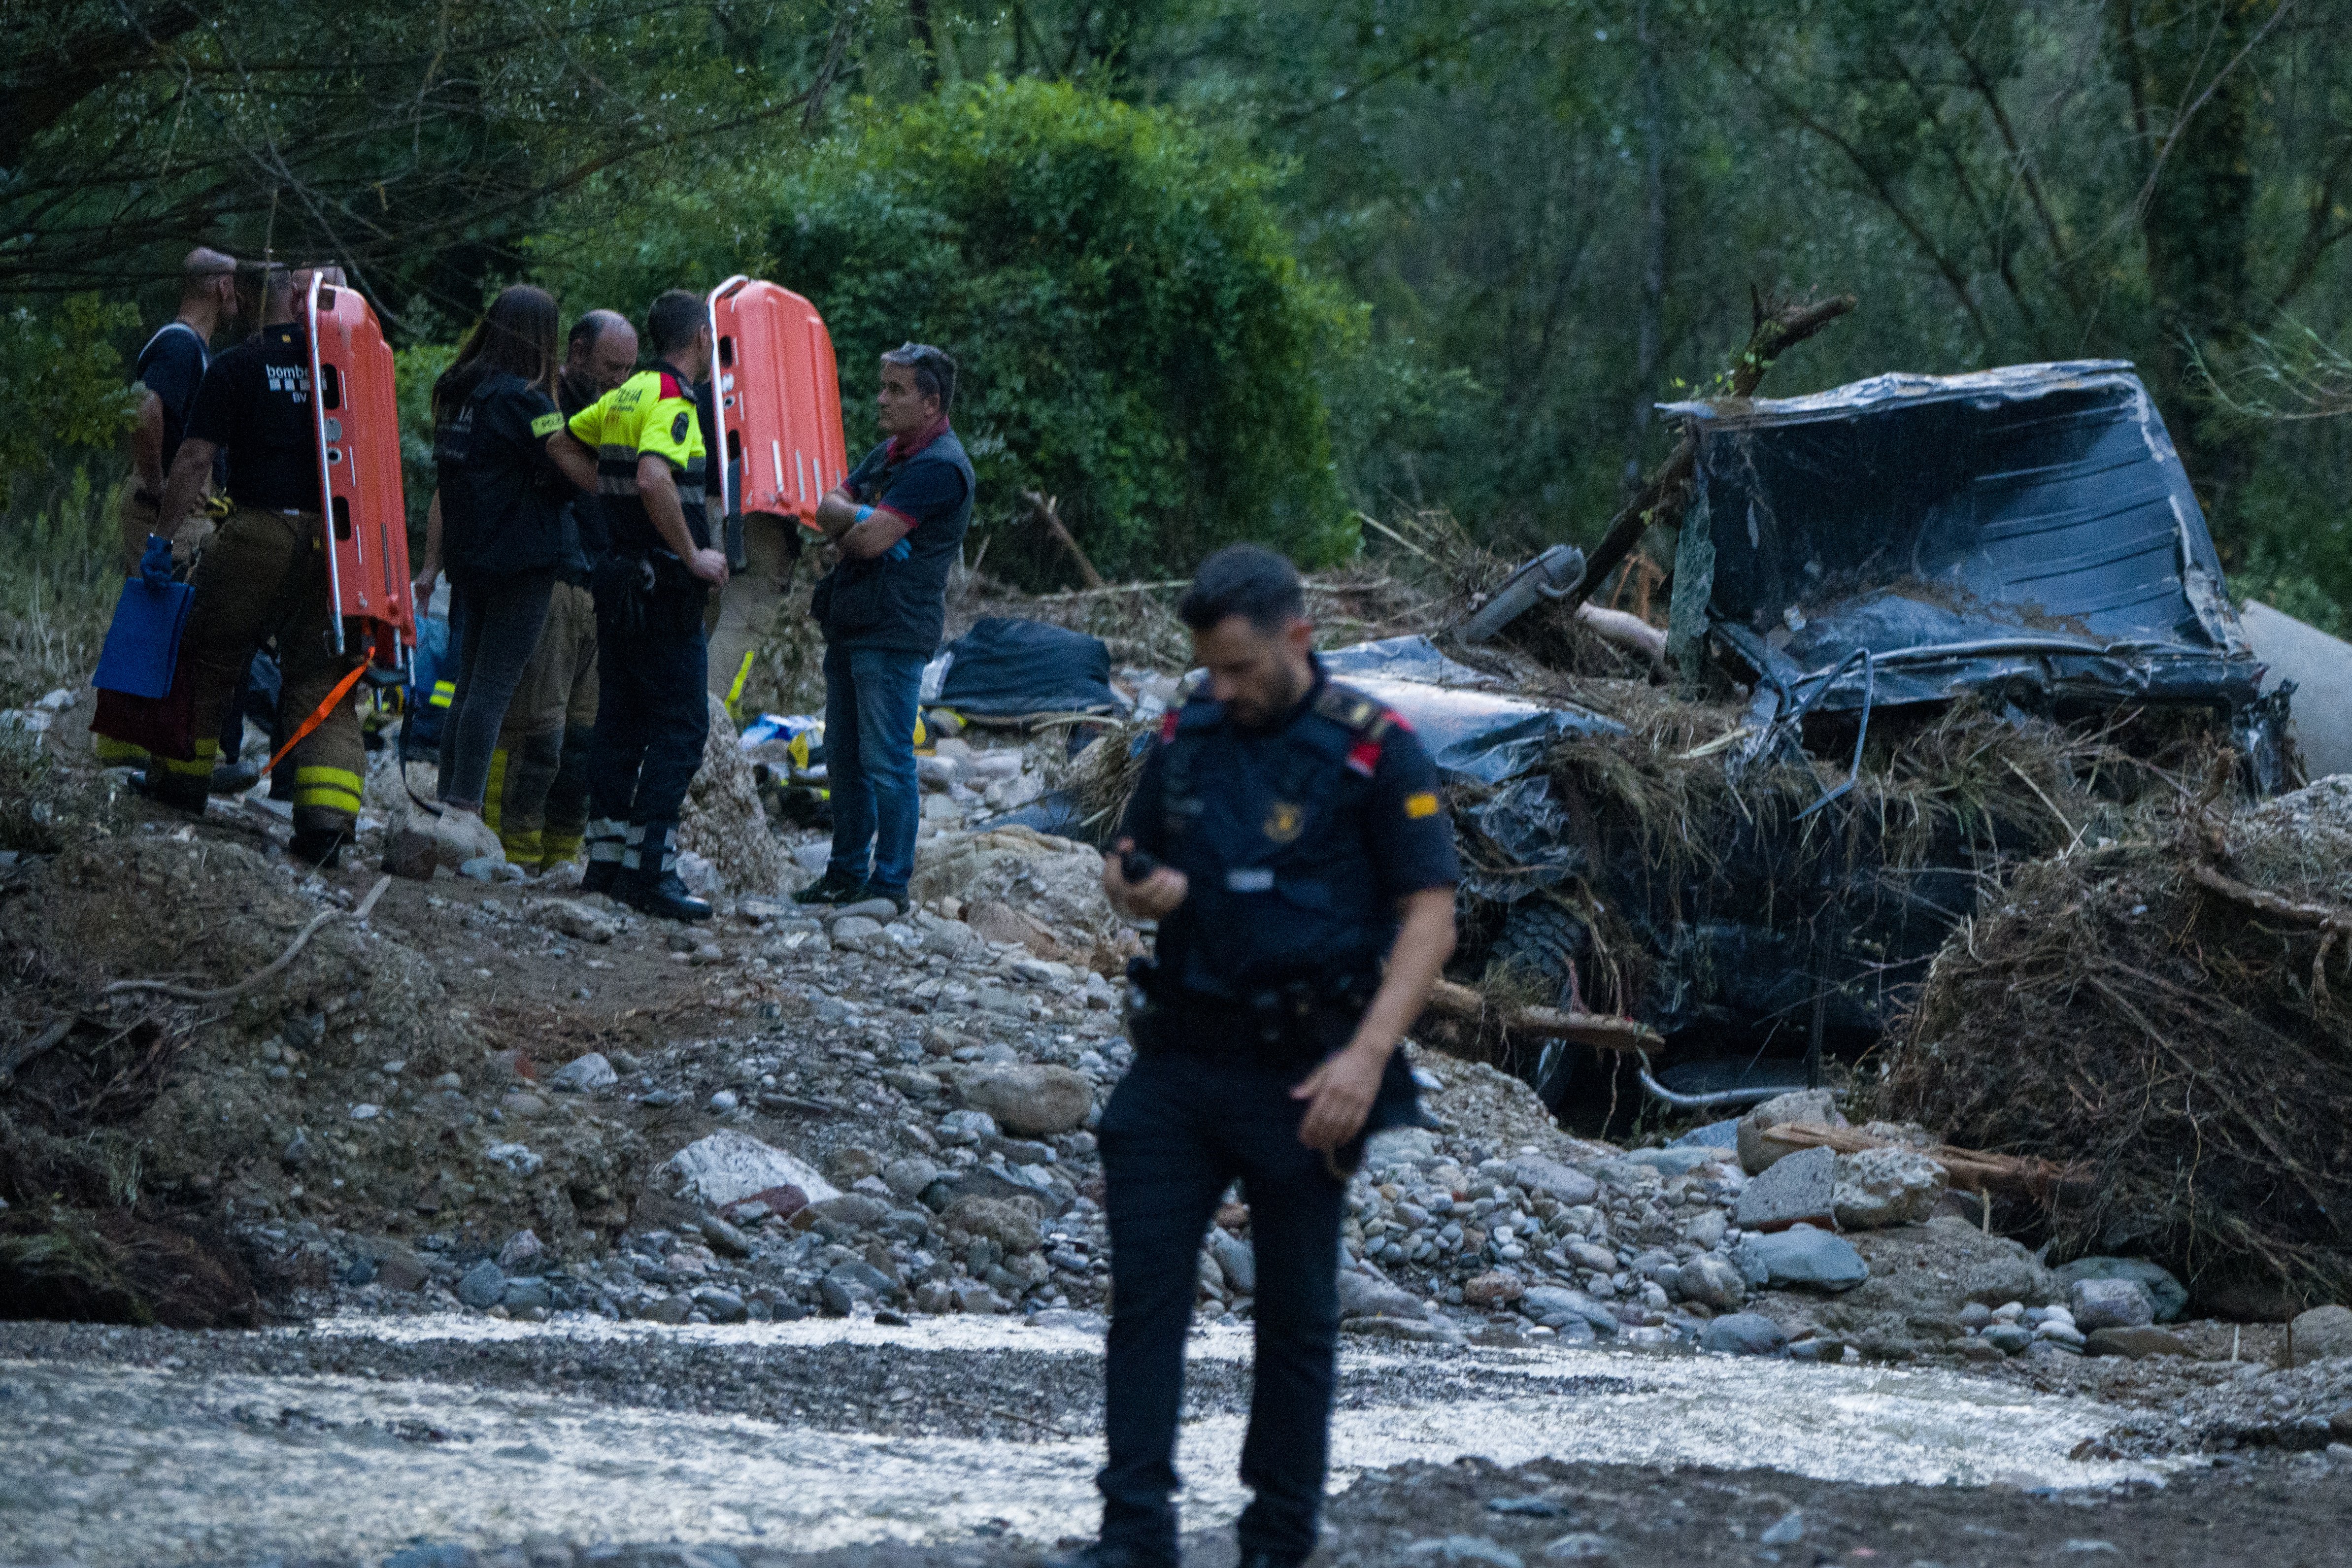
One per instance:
(832, 888)
(607, 841)
(320, 847)
(652, 885)
(165, 787)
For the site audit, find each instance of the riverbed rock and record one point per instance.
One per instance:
(1794, 1189)
(1008, 1222)
(2319, 1335)
(1713, 1282)
(1555, 1306)
(483, 1286)
(1804, 1257)
(1235, 1259)
(2166, 1294)
(1028, 1101)
(729, 1165)
(2110, 1304)
(2134, 1343)
(1561, 1183)
(584, 1073)
(1743, 1334)
(1879, 1187)
(1494, 1288)
(1365, 1296)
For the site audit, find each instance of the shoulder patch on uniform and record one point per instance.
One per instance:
(681, 424)
(1421, 803)
(1168, 724)
(670, 385)
(547, 424)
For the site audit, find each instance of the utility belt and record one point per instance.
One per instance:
(1292, 1025)
(646, 593)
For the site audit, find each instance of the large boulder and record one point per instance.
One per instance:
(723, 821)
(1798, 1189)
(1803, 1258)
(1921, 1276)
(1053, 885)
(2167, 1294)
(2320, 1335)
(1879, 1187)
(1028, 1099)
(2110, 1304)
(729, 1165)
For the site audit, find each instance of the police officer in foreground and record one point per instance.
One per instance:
(1302, 872)
(263, 575)
(650, 589)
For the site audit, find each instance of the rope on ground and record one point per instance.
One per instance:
(189, 994)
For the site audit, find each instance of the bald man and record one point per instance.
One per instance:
(171, 367)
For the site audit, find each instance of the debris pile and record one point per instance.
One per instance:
(2172, 1012)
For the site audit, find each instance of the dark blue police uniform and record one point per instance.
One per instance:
(1297, 842)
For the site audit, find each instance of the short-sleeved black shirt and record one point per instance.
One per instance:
(254, 404)
(1391, 824)
(501, 496)
(173, 366)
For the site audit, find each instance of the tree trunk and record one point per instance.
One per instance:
(1650, 325)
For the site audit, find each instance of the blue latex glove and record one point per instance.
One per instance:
(902, 550)
(155, 565)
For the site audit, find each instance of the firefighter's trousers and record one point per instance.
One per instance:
(264, 574)
(537, 801)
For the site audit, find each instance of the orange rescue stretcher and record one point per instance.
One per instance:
(778, 396)
(356, 409)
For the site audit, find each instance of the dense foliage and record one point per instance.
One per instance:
(1136, 339)
(1502, 228)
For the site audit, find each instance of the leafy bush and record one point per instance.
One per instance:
(60, 362)
(1136, 335)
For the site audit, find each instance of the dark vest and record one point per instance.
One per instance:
(878, 602)
(1271, 833)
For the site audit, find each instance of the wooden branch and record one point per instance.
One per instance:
(1969, 1170)
(1465, 1004)
(189, 994)
(1666, 492)
(1043, 510)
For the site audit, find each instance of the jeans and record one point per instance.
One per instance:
(1178, 1130)
(870, 697)
(499, 623)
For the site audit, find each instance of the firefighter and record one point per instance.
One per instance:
(538, 799)
(263, 574)
(650, 589)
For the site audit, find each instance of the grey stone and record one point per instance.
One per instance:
(1758, 1152)
(721, 1306)
(1416, 1330)
(2134, 1343)
(522, 1253)
(858, 933)
(1879, 1187)
(574, 918)
(1011, 1223)
(483, 1285)
(1538, 1174)
(1803, 1256)
(1235, 1258)
(1590, 1256)
(1706, 1229)
(907, 1177)
(1743, 1334)
(583, 1072)
(850, 1283)
(2320, 1334)
(2008, 1338)
(1463, 1551)
(1555, 1306)
(723, 1237)
(852, 1209)
(2110, 1304)
(1582, 1546)
(1798, 1189)
(400, 1272)
(1786, 1531)
(1674, 1161)
(880, 911)
(970, 1296)
(667, 1310)
(963, 1128)
(522, 1294)
(2167, 1294)
(1028, 1101)
(1366, 1295)
(1712, 1282)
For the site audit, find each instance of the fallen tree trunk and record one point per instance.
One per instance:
(1969, 1170)
(1464, 1004)
(1664, 494)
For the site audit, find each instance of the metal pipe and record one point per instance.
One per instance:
(1756, 1096)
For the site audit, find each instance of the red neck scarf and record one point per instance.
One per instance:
(905, 446)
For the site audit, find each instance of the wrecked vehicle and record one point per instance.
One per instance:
(1924, 628)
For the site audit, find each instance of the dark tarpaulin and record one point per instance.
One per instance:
(1004, 668)
(2022, 528)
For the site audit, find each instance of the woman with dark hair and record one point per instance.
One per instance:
(500, 507)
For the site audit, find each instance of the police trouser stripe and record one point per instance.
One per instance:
(632, 847)
(607, 839)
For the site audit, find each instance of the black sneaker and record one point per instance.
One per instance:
(831, 889)
(661, 895)
(180, 791)
(320, 847)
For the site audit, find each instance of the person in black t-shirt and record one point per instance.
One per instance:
(171, 367)
(502, 497)
(264, 575)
